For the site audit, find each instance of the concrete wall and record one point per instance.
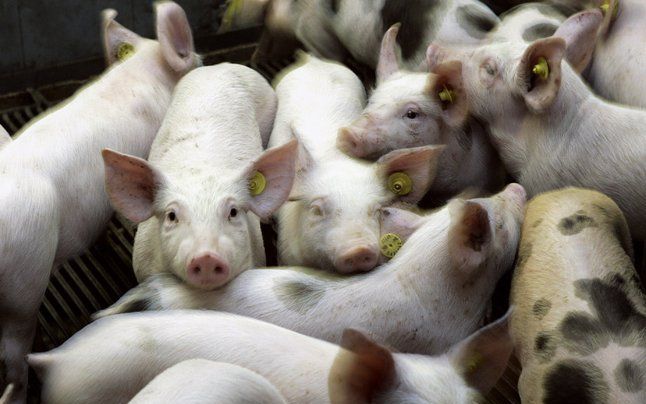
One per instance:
(36, 35)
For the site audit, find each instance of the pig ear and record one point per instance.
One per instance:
(270, 179)
(538, 75)
(470, 234)
(446, 86)
(388, 63)
(414, 169)
(580, 35)
(400, 221)
(361, 370)
(435, 55)
(118, 41)
(174, 35)
(481, 359)
(131, 184)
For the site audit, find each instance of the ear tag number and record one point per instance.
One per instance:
(399, 183)
(542, 69)
(257, 184)
(389, 244)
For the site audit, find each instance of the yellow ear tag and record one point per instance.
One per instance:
(446, 95)
(605, 6)
(125, 50)
(399, 183)
(229, 15)
(389, 244)
(542, 69)
(473, 363)
(257, 184)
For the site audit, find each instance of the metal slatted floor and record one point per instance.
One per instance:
(97, 278)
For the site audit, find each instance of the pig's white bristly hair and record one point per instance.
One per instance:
(201, 380)
(144, 344)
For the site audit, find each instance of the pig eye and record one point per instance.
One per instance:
(233, 213)
(316, 210)
(411, 114)
(171, 216)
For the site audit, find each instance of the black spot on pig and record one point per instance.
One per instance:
(629, 376)
(574, 224)
(412, 14)
(475, 21)
(615, 311)
(299, 296)
(583, 333)
(539, 31)
(574, 381)
(541, 308)
(545, 346)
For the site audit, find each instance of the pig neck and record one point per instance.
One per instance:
(576, 117)
(421, 269)
(469, 153)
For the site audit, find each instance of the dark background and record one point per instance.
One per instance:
(42, 41)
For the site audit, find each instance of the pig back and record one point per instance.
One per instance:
(573, 281)
(316, 98)
(216, 119)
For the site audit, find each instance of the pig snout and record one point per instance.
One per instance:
(207, 271)
(350, 142)
(357, 259)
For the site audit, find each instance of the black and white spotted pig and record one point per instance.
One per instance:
(335, 29)
(579, 318)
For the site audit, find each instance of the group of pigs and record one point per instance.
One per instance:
(377, 300)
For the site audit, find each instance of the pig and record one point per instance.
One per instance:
(5, 139)
(437, 285)
(51, 175)
(204, 381)
(198, 217)
(332, 219)
(6, 395)
(616, 72)
(339, 29)
(550, 129)
(579, 318)
(405, 110)
(110, 360)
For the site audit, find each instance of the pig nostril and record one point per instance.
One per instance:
(197, 270)
(219, 270)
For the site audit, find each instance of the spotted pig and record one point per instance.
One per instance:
(579, 318)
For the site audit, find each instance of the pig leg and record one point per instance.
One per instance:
(17, 337)
(28, 240)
